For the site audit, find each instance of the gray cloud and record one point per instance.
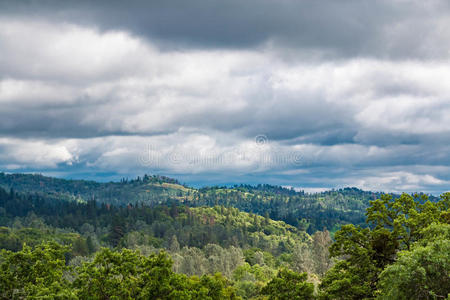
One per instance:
(394, 29)
(358, 90)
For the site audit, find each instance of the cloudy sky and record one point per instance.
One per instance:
(310, 94)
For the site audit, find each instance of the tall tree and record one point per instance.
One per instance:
(395, 224)
(422, 272)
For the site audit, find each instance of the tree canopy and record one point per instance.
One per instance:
(402, 237)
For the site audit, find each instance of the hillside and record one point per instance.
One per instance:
(214, 249)
(148, 189)
(307, 211)
(196, 226)
(310, 212)
(200, 240)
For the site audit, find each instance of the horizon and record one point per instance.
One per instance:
(306, 190)
(315, 95)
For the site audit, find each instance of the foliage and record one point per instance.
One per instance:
(34, 273)
(309, 212)
(59, 243)
(150, 189)
(129, 275)
(138, 226)
(202, 241)
(396, 224)
(209, 260)
(423, 272)
(39, 273)
(289, 285)
(250, 279)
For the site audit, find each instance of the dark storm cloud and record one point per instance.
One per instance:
(51, 121)
(387, 28)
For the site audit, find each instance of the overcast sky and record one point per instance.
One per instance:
(309, 94)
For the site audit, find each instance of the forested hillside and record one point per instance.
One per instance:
(91, 250)
(247, 249)
(148, 189)
(308, 212)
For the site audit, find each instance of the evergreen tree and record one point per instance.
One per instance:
(117, 230)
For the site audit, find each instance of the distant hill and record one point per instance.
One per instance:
(306, 211)
(193, 226)
(148, 189)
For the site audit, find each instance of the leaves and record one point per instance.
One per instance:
(39, 273)
(34, 272)
(421, 273)
(405, 246)
(289, 285)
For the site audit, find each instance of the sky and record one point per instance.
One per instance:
(310, 94)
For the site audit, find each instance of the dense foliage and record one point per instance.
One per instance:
(42, 272)
(402, 255)
(148, 189)
(200, 244)
(247, 249)
(309, 212)
(153, 226)
(289, 285)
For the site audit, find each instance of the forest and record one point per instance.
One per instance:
(310, 212)
(159, 239)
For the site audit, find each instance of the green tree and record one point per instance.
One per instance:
(123, 275)
(129, 275)
(289, 285)
(355, 277)
(117, 230)
(396, 224)
(35, 273)
(249, 280)
(424, 271)
(90, 245)
(174, 246)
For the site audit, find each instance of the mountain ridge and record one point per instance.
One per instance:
(308, 211)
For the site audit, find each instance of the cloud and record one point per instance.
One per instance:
(201, 159)
(17, 154)
(146, 91)
(401, 181)
(340, 101)
(386, 28)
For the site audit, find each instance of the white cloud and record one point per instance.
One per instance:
(76, 95)
(400, 181)
(122, 84)
(60, 52)
(33, 154)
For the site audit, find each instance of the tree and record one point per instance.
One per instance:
(403, 217)
(123, 275)
(35, 273)
(249, 280)
(355, 277)
(117, 230)
(174, 246)
(321, 242)
(302, 259)
(396, 224)
(129, 275)
(90, 245)
(423, 272)
(289, 285)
